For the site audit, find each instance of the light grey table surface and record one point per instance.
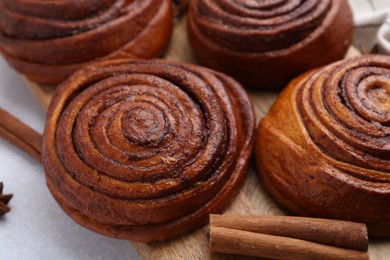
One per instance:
(36, 228)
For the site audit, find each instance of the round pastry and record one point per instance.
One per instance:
(323, 150)
(267, 43)
(146, 150)
(48, 40)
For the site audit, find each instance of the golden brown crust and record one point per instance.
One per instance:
(145, 150)
(267, 44)
(47, 41)
(323, 150)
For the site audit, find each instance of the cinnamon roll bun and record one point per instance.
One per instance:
(145, 150)
(48, 40)
(323, 150)
(267, 43)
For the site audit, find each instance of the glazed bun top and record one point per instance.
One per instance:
(49, 40)
(261, 26)
(346, 110)
(42, 19)
(145, 150)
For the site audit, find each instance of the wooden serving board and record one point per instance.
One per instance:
(252, 198)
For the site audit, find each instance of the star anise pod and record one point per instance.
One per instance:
(4, 199)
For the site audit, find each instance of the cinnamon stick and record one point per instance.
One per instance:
(20, 134)
(233, 241)
(337, 233)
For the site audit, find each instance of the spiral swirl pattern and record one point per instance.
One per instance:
(145, 150)
(332, 157)
(48, 40)
(260, 33)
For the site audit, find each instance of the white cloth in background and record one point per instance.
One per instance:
(372, 25)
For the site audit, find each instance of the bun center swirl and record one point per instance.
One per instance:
(110, 134)
(370, 97)
(346, 109)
